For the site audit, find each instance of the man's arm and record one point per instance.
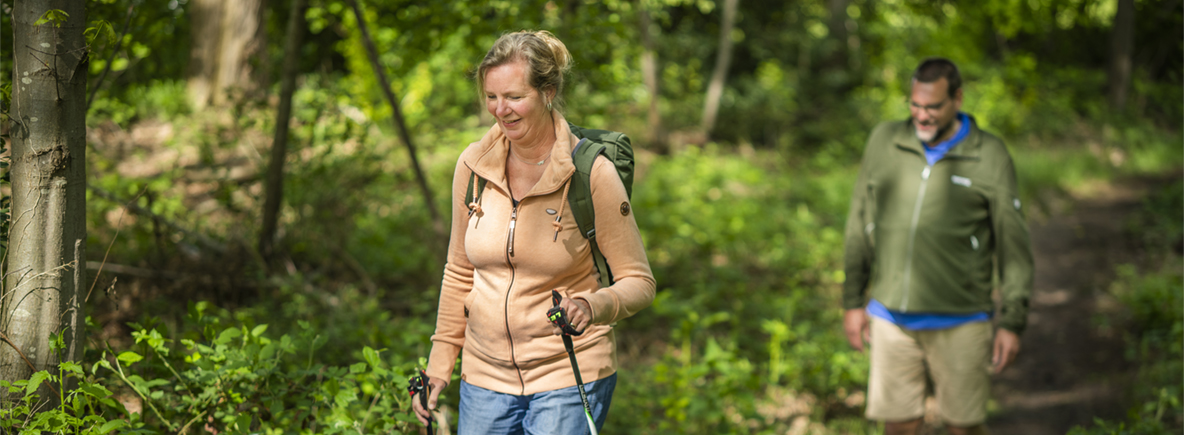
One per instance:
(1013, 250)
(858, 253)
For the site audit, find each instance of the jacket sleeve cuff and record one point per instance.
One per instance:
(1014, 317)
(852, 298)
(601, 299)
(442, 361)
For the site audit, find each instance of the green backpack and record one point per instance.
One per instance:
(619, 150)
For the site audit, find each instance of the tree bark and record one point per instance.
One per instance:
(1122, 38)
(227, 36)
(48, 133)
(649, 75)
(400, 125)
(279, 147)
(723, 60)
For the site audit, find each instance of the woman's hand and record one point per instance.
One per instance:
(434, 388)
(579, 315)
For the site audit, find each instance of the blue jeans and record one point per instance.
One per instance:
(551, 412)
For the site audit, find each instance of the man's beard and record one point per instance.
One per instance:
(940, 132)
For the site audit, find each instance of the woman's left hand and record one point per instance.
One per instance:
(579, 315)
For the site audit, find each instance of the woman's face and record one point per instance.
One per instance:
(520, 109)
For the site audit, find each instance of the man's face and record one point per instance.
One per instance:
(933, 109)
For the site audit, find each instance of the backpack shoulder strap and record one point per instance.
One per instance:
(469, 194)
(580, 197)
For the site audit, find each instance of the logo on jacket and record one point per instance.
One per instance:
(551, 211)
(961, 181)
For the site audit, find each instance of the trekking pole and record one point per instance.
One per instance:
(558, 317)
(419, 384)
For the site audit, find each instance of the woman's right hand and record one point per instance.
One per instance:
(434, 388)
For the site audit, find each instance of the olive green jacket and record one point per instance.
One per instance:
(926, 239)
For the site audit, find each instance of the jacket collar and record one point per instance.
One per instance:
(489, 162)
(971, 146)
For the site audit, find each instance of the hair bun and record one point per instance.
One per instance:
(562, 56)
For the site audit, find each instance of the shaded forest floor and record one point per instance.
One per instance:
(1072, 367)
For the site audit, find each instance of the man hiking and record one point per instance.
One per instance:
(934, 214)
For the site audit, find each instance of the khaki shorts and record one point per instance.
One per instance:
(958, 360)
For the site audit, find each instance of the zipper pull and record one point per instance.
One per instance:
(513, 221)
(925, 173)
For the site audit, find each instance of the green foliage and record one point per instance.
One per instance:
(88, 409)
(232, 380)
(1155, 344)
(158, 100)
(743, 254)
(53, 16)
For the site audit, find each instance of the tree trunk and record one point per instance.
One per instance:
(227, 36)
(1122, 38)
(723, 60)
(649, 75)
(48, 133)
(279, 147)
(400, 125)
(837, 26)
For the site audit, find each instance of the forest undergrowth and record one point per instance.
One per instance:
(745, 244)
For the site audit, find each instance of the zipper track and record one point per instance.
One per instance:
(908, 259)
(506, 304)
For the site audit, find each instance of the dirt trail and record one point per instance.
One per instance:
(1072, 368)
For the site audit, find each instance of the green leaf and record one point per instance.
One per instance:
(371, 356)
(357, 368)
(110, 426)
(72, 367)
(258, 330)
(35, 381)
(95, 390)
(227, 335)
(52, 15)
(129, 357)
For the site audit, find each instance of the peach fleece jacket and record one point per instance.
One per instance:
(497, 281)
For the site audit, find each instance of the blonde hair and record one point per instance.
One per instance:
(546, 56)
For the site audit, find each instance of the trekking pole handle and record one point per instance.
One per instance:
(419, 384)
(558, 316)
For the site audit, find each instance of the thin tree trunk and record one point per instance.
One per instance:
(400, 125)
(649, 75)
(241, 42)
(48, 134)
(227, 36)
(719, 76)
(1122, 38)
(206, 22)
(279, 147)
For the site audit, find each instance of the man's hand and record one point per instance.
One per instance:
(1007, 345)
(855, 324)
(435, 386)
(579, 315)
